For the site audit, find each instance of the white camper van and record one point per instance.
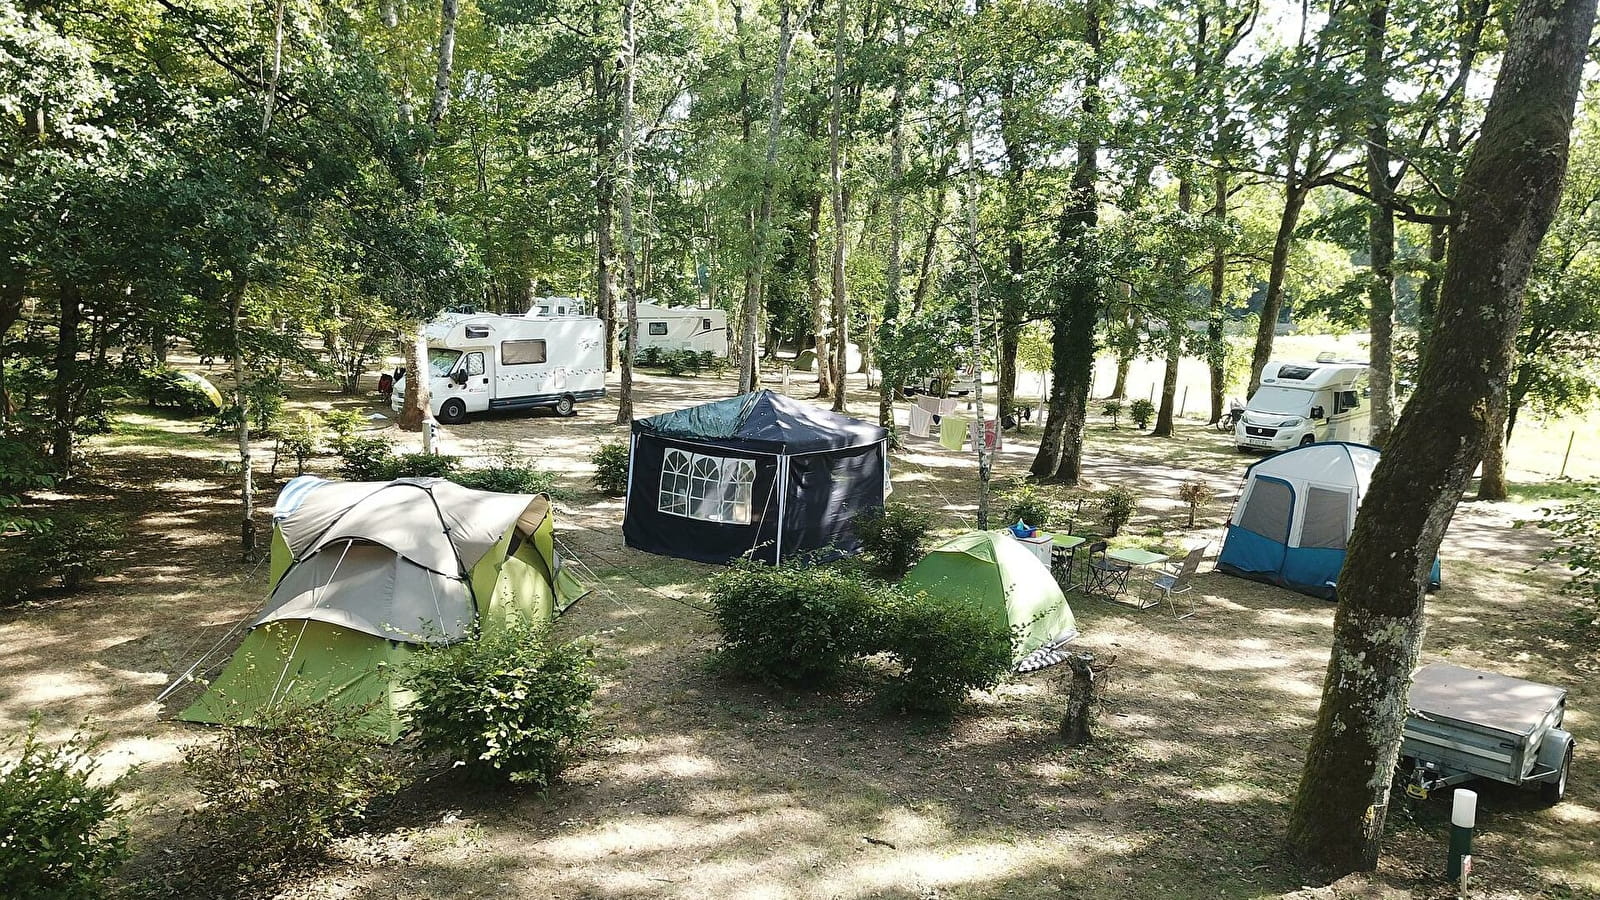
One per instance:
(479, 361)
(677, 328)
(1303, 402)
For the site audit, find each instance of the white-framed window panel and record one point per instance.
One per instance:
(710, 488)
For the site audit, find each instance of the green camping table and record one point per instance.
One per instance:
(1139, 559)
(1064, 559)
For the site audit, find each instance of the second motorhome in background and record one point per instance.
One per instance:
(480, 361)
(1303, 402)
(678, 328)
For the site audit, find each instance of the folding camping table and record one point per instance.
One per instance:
(1064, 560)
(1138, 559)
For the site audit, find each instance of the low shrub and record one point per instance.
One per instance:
(67, 548)
(893, 536)
(1116, 508)
(421, 465)
(946, 650)
(1032, 504)
(510, 706)
(1112, 408)
(164, 387)
(789, 626)
(298, 436)
(611, 468)
(676, 363)
(365, 458)
(509, 472)
(650, 356)
(1196, 492)
(276, 794)
(1141, 411)
(343, 425)
(61, 833)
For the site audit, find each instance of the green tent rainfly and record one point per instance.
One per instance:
(363, 573)
(991, 571)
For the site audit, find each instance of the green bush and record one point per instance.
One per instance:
(509, 472)
(298, 436)
(1032, 504)
(1196, 492)
(676, 363)
(61, 834)
(422, 465)
(510, 706)
(611, 468)
(164, 387)
(946, 650)
(1112, 408)
(67, 548)
(365, 458)
(789, 626)
(343, 424)
(1116, 508)
(1141, 411)
(264, 402)
(893, 536)
(650, 356)
(278, 793)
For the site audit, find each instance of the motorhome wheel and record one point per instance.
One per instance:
(564, 406)
(453, 412)
(1308, 439)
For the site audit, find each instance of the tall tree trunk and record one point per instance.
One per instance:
(64, 412)
(11, 294)
(1294, 202)
(1508, 196)
(630, 274)
(605, 198)
(930, 242)
(749, 373)
(1012, 312)
(1380, 223)
(449, 10)
(814, 297)
(1492, 479)
(1127, 343)
(241, 406)
(841, 317)
(888, 382)
(1177, 323)
(415, 411)
(1216, 312)
(1077, 302)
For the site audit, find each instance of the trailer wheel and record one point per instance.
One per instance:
(1553, 792)
(453, 412)
(565, 406)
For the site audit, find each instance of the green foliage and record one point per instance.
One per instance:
(276, 794)
(893, 536)
(66, 549)
(946, 650)
(1576, 526)
(299, 436)
(365, 458)
(264, 403)
(1116, 507)
(651, 356)
(789, 626)
(1031, 503)
(511, 705)
(164, 387)
(343, 424)
(1112, 408)
(509, 471)
(1141, 411)
(421, 465)
(1196, 492)
(22, 469)
(611, 468)
(61, 834)
(676, 363)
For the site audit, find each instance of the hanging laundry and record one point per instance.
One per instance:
(953, 431)
(921, 421)
(989, 435)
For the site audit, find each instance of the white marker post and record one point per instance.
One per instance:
(1463, 818)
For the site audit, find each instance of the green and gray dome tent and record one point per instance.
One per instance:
(363, 573)
(991, 571)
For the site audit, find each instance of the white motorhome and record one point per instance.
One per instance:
(1304, 402)
(558, 306)
(479, 362)
(677, 328)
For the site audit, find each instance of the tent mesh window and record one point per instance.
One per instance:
(712, 488)
(1267, 510)
(1327, 522)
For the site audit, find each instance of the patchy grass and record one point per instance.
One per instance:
(707, 787)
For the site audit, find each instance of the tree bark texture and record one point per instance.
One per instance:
(1077, 301)
(1177, 322)
(630, 272)
(841, 316)
(1294, 202)
(449, 11)
(888, 382)
(1216, 340)
(1012, 312)
(1508, 196)
(63, 411)
(814, 296)
(1380, 224)
(605, 194)
(241, 405)
(414, 406)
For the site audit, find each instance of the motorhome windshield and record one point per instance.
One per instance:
(1281, 401)
(442, 361)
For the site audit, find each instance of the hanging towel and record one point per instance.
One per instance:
(921, 421)
(931, 404)
(989, 434)
(948, 405)
(953, 432)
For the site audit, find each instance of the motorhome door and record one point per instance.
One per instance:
(477, 366)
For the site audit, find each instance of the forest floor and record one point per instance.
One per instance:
(705, 787)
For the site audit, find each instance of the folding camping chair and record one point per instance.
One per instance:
(1176, 581)
(1104, 577)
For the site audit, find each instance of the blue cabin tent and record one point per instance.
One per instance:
(1294, 516)
(758, 475)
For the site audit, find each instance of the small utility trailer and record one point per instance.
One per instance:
(1466, 724)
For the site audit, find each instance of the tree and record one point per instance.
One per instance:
(630, 270)
(1508, 196)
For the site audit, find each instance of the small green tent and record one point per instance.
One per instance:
(990, 570)
(364, 573)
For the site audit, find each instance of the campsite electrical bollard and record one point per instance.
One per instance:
(1463, 816)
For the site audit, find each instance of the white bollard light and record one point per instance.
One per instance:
(1463, 818)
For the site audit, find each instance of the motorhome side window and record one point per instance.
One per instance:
(658, 328)
(477, 331)
(521, 353)
(475, 363)
(1346, 400)
(705, 324)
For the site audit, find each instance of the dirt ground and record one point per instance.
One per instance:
(709, 788)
